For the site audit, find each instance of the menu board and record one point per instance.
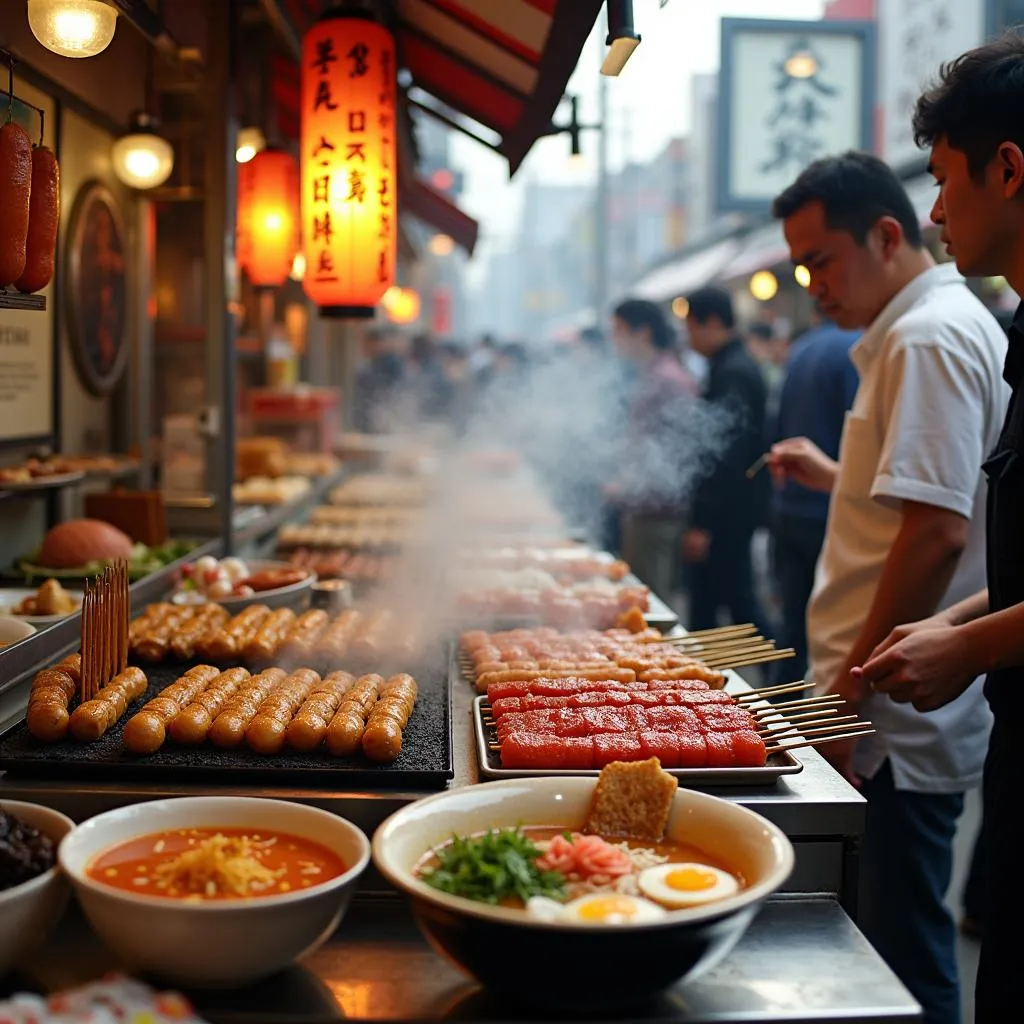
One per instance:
(26, 336)
(26, 374)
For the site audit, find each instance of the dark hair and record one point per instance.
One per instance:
(708, 302)
(856, 190)
(762, 331)
(976, 103)
(638, 313)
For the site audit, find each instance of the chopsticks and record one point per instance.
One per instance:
(105, 615)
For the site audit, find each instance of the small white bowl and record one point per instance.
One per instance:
(12, 630)
(220, 943)
(28, 912)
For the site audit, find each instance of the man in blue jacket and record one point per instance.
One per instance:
(817, 392)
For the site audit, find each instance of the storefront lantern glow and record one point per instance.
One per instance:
(268, 217)
(349, 163)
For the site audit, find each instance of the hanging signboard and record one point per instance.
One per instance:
(791, 92)
(914, 38)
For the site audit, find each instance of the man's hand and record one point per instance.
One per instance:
(940, 620)
(803, 462)
(696, 545)
(927, 667)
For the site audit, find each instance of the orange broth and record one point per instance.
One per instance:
(284, 862)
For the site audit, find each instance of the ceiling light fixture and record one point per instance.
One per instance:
(72, 28)
(142, 159)
(622, 39)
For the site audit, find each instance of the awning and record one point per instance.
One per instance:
(427, 204)
(687, 273)
(502, 63)
(764, 248)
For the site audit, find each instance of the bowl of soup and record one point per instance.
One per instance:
(581, 920)
(214, 891)
(33, 890)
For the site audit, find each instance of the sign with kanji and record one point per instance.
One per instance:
(791, 92)
(349, 163)
(914, 38)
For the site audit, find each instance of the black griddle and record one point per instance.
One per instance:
(424, 763)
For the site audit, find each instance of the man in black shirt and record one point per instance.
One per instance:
(972, 121)
(727, 506)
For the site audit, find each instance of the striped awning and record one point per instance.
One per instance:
(501, 63)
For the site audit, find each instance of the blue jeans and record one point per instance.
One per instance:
(906, 865)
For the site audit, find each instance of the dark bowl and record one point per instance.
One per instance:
(559, 965)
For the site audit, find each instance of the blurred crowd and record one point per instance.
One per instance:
(650, 437)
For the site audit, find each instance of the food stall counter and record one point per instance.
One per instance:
(378, 967)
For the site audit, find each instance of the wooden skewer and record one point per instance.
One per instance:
(821, 741)
(715, 631)
(831, 729)
(703, 643)
(780, 728)
(793, 731)
(722, 645)
(730, 652)
(753, 696)
(762, 659)
(783, 710)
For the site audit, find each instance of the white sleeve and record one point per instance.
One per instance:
(934, 429)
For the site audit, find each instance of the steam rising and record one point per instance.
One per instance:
(578, 425)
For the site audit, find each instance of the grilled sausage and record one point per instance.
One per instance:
(335, 641)
(266, 732)
(271, 636)
(307, 729)
(371, 640)
(228, 729)
(154, 639)
(15, 193)
(192, 724)
(146, 731)
(232, 638)
(47, 716)
(308, 629)
(345, 732)
(91, 720)
(207, 618)
(382, 739)
(43, 217)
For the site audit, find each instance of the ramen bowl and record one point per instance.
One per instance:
(578, 965)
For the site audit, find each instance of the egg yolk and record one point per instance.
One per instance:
(691, 879)
(600, 909)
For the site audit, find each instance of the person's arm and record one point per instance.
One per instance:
(916, 574)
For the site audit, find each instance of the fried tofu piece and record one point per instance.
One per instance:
(632, 800)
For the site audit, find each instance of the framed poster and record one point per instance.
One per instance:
(97, 290)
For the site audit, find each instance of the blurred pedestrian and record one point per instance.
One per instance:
(727, 506)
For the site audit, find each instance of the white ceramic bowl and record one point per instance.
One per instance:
(28, 912)
(222, 943)
(12, 630)
(295, 595)
(487, 941)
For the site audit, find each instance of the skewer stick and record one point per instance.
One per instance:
(821, 741)
(754, 696)
(712, 646)
(756, 467)
(716, 631)
(712, 641)
(734, 649)
(803, 728)
(783, 710)
(832, 729)
(762, 659)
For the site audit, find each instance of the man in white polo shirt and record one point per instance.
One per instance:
(905, 536)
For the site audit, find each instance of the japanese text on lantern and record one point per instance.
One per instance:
(348, 162)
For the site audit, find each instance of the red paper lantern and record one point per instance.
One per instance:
(349, 162)
(268, 217)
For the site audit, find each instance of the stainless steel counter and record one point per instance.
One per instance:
(802, 961)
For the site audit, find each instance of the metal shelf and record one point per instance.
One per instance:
(15, 300)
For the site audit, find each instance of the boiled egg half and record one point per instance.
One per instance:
(686, 885)
(611, 908)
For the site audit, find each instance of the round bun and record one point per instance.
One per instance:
(80, 541)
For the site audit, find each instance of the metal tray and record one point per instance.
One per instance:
(424, 763)
(490, 764)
